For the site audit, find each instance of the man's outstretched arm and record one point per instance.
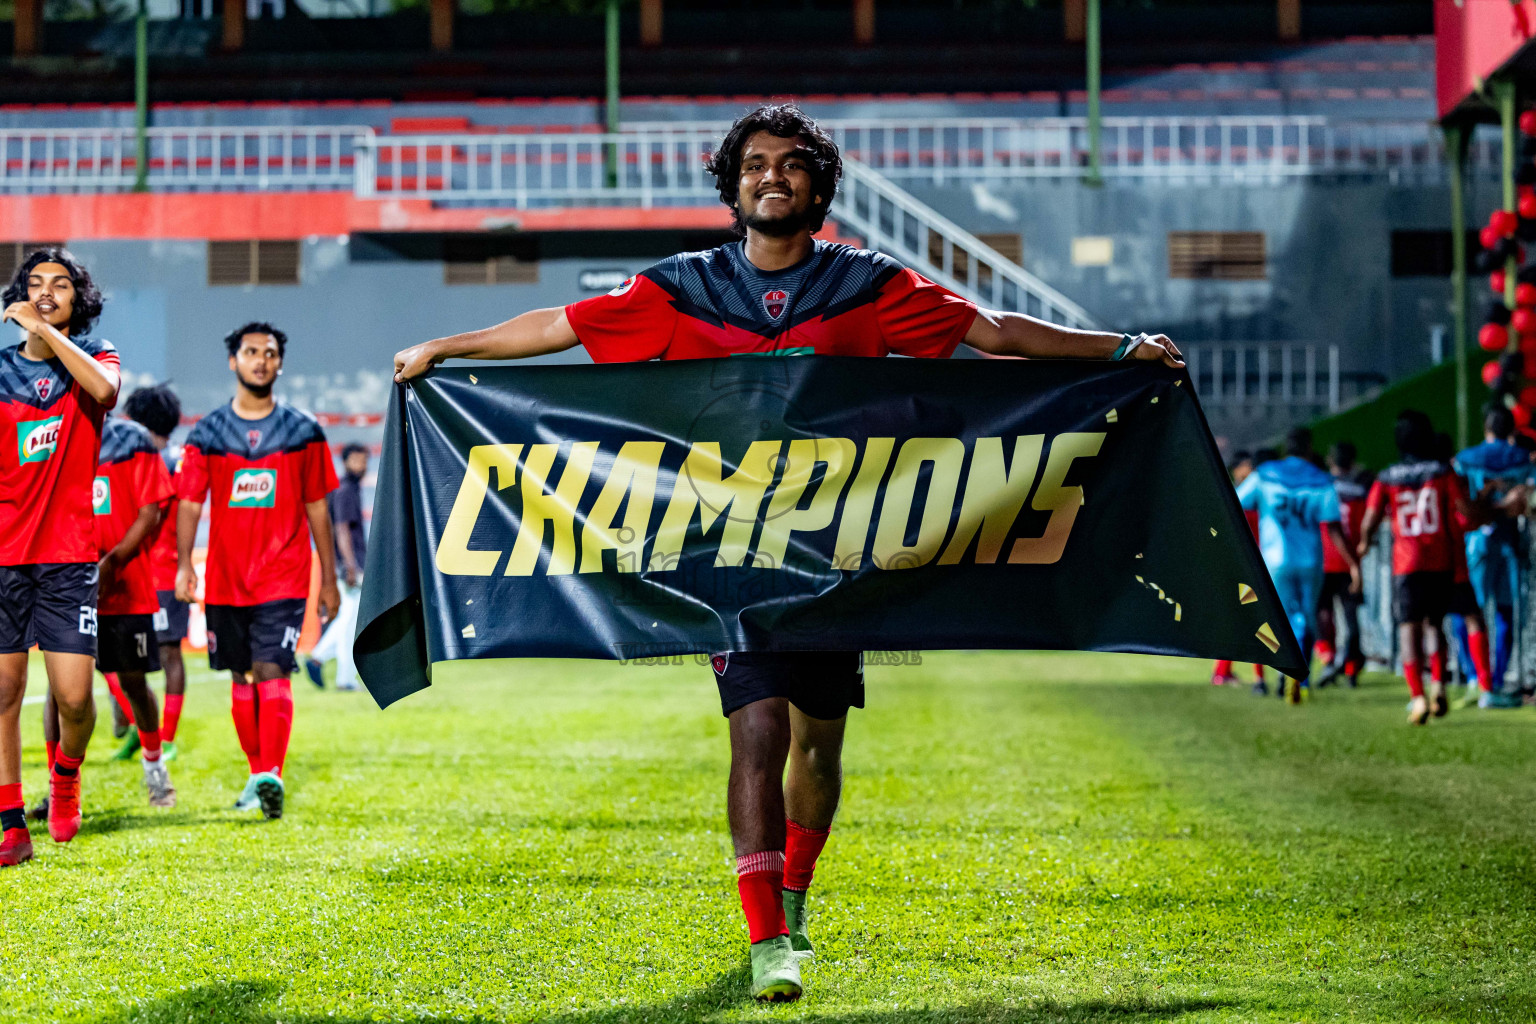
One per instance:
(534, 333)
(1014, 334)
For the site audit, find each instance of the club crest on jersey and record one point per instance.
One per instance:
(101, 496)
(253, 438)
(774, 302)
(254, 488)
(44, 386)
(622, 287)
(36, 440)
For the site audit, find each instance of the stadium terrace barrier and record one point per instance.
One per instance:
(212, 159)
(1258, 374)
(661, 163)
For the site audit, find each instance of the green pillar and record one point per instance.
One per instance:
(1456, 140)
(141, 98)
(611, 106)
(1092, 36)
(1504, 89)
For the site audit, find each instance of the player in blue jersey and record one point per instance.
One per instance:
(1492, 470)
(1296, 502)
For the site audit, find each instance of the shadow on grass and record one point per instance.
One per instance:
(103, 822)
(247, 1002)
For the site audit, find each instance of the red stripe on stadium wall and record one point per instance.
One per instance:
(234, 216)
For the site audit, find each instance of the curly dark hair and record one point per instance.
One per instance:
(786, 121)
(232, 340)
(155, 408)
(88, 300)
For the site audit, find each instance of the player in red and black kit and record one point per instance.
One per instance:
(158, 410)
(131, 486)
(1347, 658)
(268, 469)
(1425, 500)
(55, 389)
(779, 292)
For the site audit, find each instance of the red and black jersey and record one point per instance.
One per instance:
(162, 548)
(1352, 493)
(838, 301)
(1421, 500)
(129, 475)
(52, 434)
(260, 474)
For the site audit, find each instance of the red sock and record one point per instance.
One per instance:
(52, 749)
(242, 708)
(801, 848)
(1437, 666)
(1477, 640)
(1415, 681)
(149, 740)
(65, 765)
(1223, 668)
(1352, 667)
(119, 696)
(760, 880)
(276, 696)
(170, 717)
(12, 814)
(1324, 652)
(1258, 672)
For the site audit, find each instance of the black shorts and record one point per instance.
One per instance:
(1464, 599)
(52, 605)
(1418, 596)
(238, 636)
(171, 619)
(1336, 585)
(822, 684)
(127, 644)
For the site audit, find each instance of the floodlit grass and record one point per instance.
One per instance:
(1023, 838)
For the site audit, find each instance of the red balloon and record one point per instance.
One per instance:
(1521, 191)
(1525, 294)
(1522, 415)
(1491, 372)
(1496, 282)
(1504, 222)
(1528, 397)
(1489, 237)
(1528, 122)
(1523, 321)
(1492, 337)
(1527, 206)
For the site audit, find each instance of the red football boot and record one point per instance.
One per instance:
(15, 848)
(63, 806)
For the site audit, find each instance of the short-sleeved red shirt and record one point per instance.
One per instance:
(52, 434)
(838, 301)
(129, 476)
(1420, 500)
(162, 549)
(1352, 494)
(260, 475)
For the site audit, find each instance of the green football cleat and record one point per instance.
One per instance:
(248, 800)
(269, 794)
(129, 748)
(794, 917)
(775, 971)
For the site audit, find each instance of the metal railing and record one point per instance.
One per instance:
(180, 159)
(661, 163)
(892, 221)
(1265, 374)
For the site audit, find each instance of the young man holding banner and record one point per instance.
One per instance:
(779, 291)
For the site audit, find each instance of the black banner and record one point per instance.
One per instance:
(810, 503)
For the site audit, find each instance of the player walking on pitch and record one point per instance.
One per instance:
(55, 389)
(779, 291)
(268, 469)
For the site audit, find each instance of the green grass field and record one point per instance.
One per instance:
(1023, 838)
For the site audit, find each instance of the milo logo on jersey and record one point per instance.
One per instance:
(101, 496)
(254, 488)
(36, 440)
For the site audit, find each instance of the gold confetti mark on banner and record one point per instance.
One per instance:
(473, 379)
(1139, 555)
(1162, 595)
(468, 632)
(1245, 594)
(1154, 399)
(1178, 383)
(1178, 612)
(1267, 638)
(1213, 531)
(1113, 416)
